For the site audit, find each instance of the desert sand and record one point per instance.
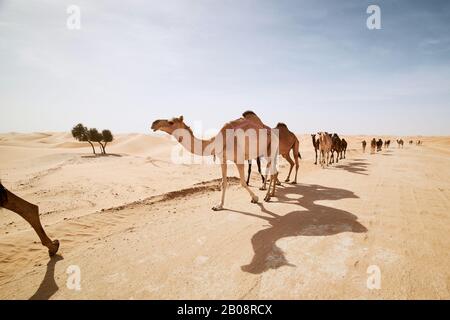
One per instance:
(140, 227)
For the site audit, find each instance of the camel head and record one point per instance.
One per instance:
(168, 126)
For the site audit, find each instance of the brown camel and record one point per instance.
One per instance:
(364, 145)
(30, 213)
(400, 143)
(287, 140)
(324, 148)
(315, 143)
(373, 145)
(227, 146)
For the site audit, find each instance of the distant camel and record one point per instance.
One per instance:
(315, 143)
(400, 143)
(231, 149)
(30, 213)
(379, 145)
(410, 141)
(324, 148)
(287, 140)
(336, 146)
(364, 145)
(387, 143)
(373, 145)
(344, 149)
(419, 142)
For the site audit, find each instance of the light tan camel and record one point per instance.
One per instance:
(227, 146)
(325, 143)
(30, 213)
(287, 140)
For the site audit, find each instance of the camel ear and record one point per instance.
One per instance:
(181, 118)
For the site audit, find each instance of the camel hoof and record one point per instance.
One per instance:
(255, 200)
(294, 182)
(287, 180)
(54, 248)
(262, 188)
(217, 208)
(267, 198)
(278, 183)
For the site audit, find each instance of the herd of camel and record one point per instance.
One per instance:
(329, 148)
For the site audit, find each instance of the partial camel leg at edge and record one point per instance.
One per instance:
(30, 213)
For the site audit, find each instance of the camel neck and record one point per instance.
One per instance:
(194, 145)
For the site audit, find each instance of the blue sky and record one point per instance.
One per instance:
(311, 64)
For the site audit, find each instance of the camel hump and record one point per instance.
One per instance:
(281, 125)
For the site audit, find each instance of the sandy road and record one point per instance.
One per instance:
(316, 240)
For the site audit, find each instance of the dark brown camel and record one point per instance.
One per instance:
(344, 149)
(336, 146)
(379, 145)
(373, 145)
(30, 213)
(364, 145)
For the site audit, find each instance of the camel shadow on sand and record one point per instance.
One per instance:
(316, 220)
(48, 286)
(357, 166)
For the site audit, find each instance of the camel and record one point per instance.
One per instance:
(364, 144)
(287, 140)
(344, 148)
(324, 148)
(373, 145)
(400, 143)
(379, 145)
(227, 146)
(315, 143)
(336, 146)
(30, 213)
(410, 141)
(419, 142)
(387, 143)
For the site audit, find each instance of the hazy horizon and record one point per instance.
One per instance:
(311, 64)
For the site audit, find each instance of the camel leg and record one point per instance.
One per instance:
(30, 213)
(291, 163)
(224, 187)
(328, 158)
(244, 185)
(316, 156)
(264, 185)
(296, 170)
(272, 186)
(249, 171)
(258, 162)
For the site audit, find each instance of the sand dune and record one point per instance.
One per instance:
(141, 227)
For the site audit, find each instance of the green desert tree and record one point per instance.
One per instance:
(81, 133)
(95, 136)
(107, 137)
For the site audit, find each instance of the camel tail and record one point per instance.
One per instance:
(299, 155)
